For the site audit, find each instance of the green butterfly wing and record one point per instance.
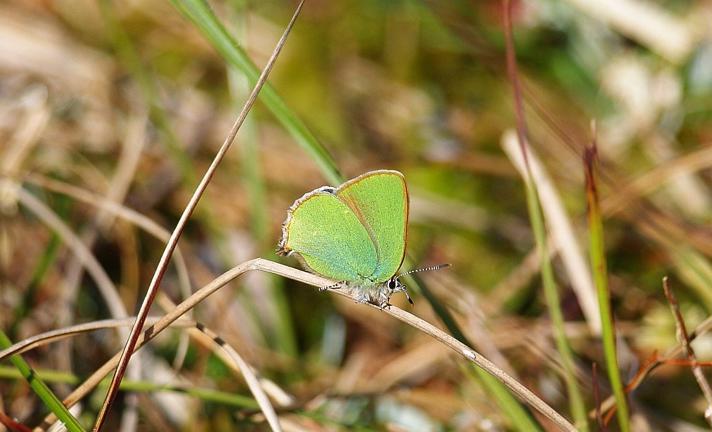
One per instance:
(379, 199)
(328, 237)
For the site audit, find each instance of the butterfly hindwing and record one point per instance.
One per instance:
(379, 199)
(328, 237)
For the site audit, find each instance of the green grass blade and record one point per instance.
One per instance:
(44, 264)
(282, 322)
(205, 20)
(551, 293)
(40, 388)
(600, 279)
(520, 417)
(208, 395)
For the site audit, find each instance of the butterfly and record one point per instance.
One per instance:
(355, 234)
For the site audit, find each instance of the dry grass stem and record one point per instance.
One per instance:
(118, 193)
(279, 395)
(684, 339)
(104, 283)
(250, 377)
(231, 354)
(647, 369)
(51, 336)
(122, 212)
(698, 160)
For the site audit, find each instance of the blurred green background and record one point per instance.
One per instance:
(129, 101)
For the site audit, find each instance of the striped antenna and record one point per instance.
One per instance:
(431, 268)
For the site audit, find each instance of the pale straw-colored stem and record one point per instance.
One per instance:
(268, 266)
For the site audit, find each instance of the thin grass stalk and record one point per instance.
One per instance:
(50, 336)
(600, 278)
(40, 388)
(684, 339)
(250, 376)
(175, 235)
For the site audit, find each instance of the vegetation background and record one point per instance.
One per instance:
(127, 102)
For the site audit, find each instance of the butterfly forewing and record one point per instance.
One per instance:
(379, 199)
(329, 238)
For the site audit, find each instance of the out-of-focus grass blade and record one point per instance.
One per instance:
(131, 60)
(208, 395)
(600, 278)
(519, 416)
(695, 270)
(251, 168)
(551, 292)
(203, 17)
(41, 268)
(525, 165)
(40, 388)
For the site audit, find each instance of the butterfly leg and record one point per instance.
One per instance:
(332, 286)
(402, 288)
(361, 297)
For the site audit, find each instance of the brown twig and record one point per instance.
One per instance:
(47, 337)
(684, 339)
(11, 424)
(178, 230)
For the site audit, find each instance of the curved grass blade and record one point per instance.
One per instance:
(205, 20)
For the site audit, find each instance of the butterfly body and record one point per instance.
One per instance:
(354, 234)
(378, 293)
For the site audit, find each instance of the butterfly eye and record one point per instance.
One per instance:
(392, 284)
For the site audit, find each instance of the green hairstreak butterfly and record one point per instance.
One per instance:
(355, 234)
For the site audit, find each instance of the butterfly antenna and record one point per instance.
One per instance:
(431, 268)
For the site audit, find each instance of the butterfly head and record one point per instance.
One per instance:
(395, 285)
